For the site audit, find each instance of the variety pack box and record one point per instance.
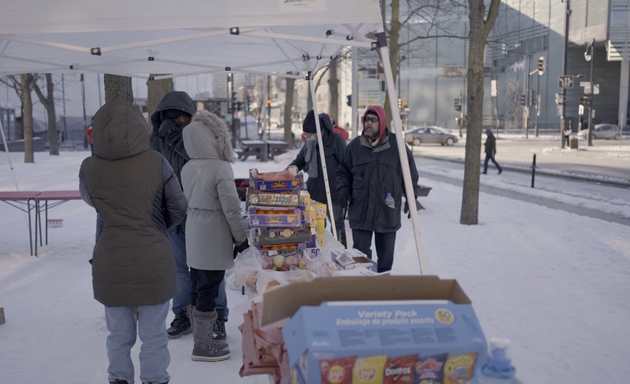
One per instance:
(259, 183)
(379, 329)
(275, 219)
(289, 198)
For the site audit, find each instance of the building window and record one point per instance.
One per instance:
(619, 19)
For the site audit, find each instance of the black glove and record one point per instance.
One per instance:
(342, 213)
(406, 209)
(344, 199)
(240, 248)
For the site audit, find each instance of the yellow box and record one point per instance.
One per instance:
(309, 218)
(305, 200)
(321, 226)
(320, 241)
(320, 209)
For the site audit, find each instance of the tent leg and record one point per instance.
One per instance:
(355, 92)
(322, 158)
(409, 187)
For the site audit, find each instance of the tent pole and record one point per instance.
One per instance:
(409, 187)
(263, 110)
(322, 157)
(354, 102)
(6, 149)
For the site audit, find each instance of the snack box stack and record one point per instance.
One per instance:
(277, 203)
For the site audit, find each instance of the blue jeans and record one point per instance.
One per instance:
(182, 299)
(490, 156)
(178, 246)
(154, 355)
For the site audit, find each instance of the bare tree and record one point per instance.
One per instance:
(26, 83)
(288, 111)
(156, 89)
(118, 88)
(513, 110)
(48, 102)
(481, 23)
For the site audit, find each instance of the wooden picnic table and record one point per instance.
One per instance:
(258, 147)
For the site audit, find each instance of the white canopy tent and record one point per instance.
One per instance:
(188, 37)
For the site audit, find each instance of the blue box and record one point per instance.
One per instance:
(383, 317)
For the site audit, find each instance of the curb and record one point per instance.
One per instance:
(541, 171)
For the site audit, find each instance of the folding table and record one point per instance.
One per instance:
(59, 197)
(19, 200)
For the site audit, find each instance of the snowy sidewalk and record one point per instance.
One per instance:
(557, 284)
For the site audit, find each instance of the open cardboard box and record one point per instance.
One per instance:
(375, 321)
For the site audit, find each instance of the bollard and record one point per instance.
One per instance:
(533, 170)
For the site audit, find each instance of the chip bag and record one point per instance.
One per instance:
(429, 369)
(337, 371)
(459, 369)
(400, 369)
(369, 370)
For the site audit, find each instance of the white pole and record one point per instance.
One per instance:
(355, 92)
(6, 149)
(322, 158)
(263, 110)
(409, 187)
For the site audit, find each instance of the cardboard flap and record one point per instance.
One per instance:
(285, 301)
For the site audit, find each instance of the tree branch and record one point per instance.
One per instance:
(493, 13)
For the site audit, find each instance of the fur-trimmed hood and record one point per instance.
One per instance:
(207, 137)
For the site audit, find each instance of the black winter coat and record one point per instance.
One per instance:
(334, 149)
(366, 176)
(491, 145)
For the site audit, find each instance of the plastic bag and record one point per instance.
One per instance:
(268, 280)
(322, 266)
(246, 267)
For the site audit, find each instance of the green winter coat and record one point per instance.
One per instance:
(136, 197)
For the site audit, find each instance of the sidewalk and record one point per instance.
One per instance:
(606, 162)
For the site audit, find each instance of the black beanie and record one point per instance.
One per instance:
(308, 126)
(371, 112)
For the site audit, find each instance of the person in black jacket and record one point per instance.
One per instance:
(369, 174)
(171, 116)
(309, 160)
(491, 150)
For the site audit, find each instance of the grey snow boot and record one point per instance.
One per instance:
(218, 331)
(190, 310)
(206, 348)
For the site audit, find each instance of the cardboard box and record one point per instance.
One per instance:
(2, 318)
(277, 185)
(317, 241)
(285, 199)
(320, 210)
(352, 259)
(282, 219)
(281, 236)
(431, 321)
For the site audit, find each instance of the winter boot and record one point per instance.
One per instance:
(180, 325)
(147, 382)
(117, 381)
(218, 331)
(191, 318)
(207, 349)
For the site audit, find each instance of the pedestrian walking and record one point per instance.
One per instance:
(370, 180)
(137, 199)
(214, 227)
(491, 151)
(308, 159)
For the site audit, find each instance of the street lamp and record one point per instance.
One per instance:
(589, 57)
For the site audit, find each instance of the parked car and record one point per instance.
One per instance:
(602, 131)
(429, 135)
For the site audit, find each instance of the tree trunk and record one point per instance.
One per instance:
(27, 118)
(53, 136)
(156, 90)
(394, 48)
(288, 112)
(118, 88)
(479, 30)
(49, 103)
(333, 84)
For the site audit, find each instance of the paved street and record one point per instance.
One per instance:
(606, 159)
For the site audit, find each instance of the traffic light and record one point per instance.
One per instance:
(541, 65)
(458, 106)
(400, 104)
(268, 102)
(532, 98)
(349, 102)
(586, 100)
(523, 100)
(248, 102)
(233, 103)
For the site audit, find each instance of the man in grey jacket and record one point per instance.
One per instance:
(137, 199)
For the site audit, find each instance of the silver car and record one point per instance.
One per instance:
(602, 131)
(429, 135)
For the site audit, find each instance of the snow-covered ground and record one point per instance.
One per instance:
(555, 283)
